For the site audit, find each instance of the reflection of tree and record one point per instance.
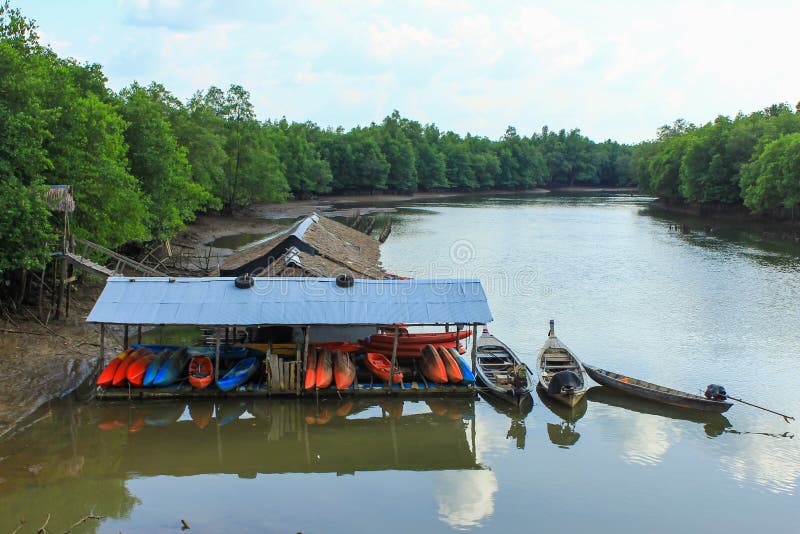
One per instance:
(562, 434)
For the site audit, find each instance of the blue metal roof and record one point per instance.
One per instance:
(289, 301)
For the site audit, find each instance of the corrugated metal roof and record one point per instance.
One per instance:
(289, 301)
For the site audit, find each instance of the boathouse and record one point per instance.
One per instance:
(313, 246)
(314, 310)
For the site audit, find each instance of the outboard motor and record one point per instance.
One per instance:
(716, 392)
(563, 382)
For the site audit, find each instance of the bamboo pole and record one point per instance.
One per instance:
(125, 338)
(474, 349)
(103, 341)
(394, 357)
(305, 358)
(216, 355)
(139, 334)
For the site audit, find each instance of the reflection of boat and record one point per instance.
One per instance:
(201, 412)
(562, 434)
(654, 392)
(516, 412)
(501, 371)
(560, 373)
(161, 413)
(714, 423)
(229, 411)
(570, 414)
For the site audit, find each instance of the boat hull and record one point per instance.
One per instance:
(324, 375)
(201, 372)
(561, 375)
(241, 373)
(654, 392)
(379, 365)
(432, 365)
(344, 370)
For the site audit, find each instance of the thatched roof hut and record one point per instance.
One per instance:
(314, 246)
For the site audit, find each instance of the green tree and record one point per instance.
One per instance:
(772, 179)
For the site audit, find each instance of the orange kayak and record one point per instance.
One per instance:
(432, 366)
(406, 339)
(107, 376)
(324, 375)
(137, 368)
(451, 366)
(201, 372)
(121, 375)
(380, 366)
(344, 370)
(311, 370)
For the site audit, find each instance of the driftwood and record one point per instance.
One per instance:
(43, 528)
(84, 520)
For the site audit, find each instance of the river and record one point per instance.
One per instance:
(628, 291)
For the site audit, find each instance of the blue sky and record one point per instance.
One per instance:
(613, 69)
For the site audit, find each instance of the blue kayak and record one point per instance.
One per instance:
(469, 378)
(240, 374)
(173, 369)
(152, 369)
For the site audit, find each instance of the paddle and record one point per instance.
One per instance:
(785, 417)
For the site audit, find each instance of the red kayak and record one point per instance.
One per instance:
(137, 368)
(324, 375)
(344, 370)
(344, 346)
(432, 366)
(451, 366)
(380, 366)
(121, 376)
(311, 370)
(201, 372)
(425, 338)
(107, 376)
(406, 352)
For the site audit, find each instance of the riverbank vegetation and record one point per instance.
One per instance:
(142, 162)
(753, 159)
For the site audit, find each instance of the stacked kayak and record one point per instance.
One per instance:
(411, 345)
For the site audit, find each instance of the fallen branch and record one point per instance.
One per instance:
(84, 520)
(21, 524)
(43, 528)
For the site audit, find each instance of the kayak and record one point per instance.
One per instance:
(107, 376)
(344, 346)
(241, 373)
(311, 370)
(380, 366)
(405, 346)
(451, 367)
(154, 366)
(466, 372)
(324, 375)
(201, 372)
(432, 366)
(121, 375)
(172, 370)
(137, 368)
(344, 370)
(405, 339)
(407, 351)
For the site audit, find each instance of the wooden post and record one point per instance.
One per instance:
(305, 359)
(394, 357)
(125, 338)
(103, 341)
(70, 272)
(139, 334)
(474, 349)
(216, 356)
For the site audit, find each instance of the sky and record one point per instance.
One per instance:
(613, 69)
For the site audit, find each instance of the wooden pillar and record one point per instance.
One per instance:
(474, 349)
(394, 357)
(216, 356)
(139, 334)
(305, 360)
(103, 341)
(125, 338)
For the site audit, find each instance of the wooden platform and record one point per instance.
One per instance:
(187, 392)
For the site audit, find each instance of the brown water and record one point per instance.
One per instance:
(627, 293)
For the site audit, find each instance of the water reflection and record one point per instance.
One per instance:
(563, 434)
(516, 413)
(79, 458)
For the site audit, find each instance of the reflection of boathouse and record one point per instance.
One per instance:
(313, 246)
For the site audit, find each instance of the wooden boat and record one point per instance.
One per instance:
(137, 369)
(560, 373)
(432, 365)
(173, 369)
(344, 370)
(311, 370)
(654, 392)
(121, 375)
(380, 366)
(466, 373)
(454, 375)
(154, 367)
(239, 374)
(324, 376)
(106, 377)
(201, 372)
(423, 339)
(500, 371)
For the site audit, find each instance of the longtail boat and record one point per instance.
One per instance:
(560, 372)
